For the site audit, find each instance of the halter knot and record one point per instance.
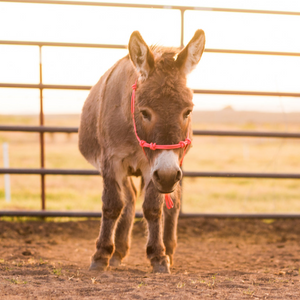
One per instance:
(152, 146)
(142, 143)
(134, 86)
(182, 144)
(188, 141)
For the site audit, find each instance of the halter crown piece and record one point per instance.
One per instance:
(182, 144)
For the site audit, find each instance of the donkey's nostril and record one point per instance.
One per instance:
(155, 175)
(178, 175)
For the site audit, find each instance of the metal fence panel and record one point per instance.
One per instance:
(46, 129)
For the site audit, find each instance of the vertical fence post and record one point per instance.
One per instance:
(182, 27)
(42, 142)
(181, 45)
(6, 176)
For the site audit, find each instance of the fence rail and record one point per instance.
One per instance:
(89, 214)
(116, 46)
(196, 91)
(47, 129)
(156, 6)
(31, 171)
(232, 133)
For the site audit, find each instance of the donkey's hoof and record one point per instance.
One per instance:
(115, 261)
(161, 265)
(98, 266)
(161, 269)
(171, 259)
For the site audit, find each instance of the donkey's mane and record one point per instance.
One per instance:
(164, 57)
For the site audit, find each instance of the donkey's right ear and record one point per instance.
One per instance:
(140, 55)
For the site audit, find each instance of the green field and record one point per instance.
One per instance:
(199, 194)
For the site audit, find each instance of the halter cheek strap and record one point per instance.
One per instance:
(152, 146)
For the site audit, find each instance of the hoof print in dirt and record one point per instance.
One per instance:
(27, 253)
(98, 266)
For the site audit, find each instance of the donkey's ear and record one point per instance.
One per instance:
(189, 57)
(141, 55)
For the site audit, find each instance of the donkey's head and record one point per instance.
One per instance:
(163, 103)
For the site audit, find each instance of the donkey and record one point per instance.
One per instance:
(136, 121)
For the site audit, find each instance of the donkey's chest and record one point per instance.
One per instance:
(133, 163)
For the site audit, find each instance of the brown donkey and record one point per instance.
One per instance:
(122, 141)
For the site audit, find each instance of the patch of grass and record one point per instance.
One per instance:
(141, 284)
(268, 221)
(180, 285)
(201, 195)
(248, 292)
(57, 272)
(16, 281)
(229, 279)
(43, 262)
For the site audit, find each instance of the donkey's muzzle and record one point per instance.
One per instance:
(165, 180)
(165, 172)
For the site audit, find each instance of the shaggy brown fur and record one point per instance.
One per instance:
(106, 139)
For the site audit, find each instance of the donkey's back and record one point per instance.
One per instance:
(102, 115)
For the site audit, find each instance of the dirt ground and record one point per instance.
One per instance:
(215, 259)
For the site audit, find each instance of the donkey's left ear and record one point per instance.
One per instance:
(140, 55)
(189, 57)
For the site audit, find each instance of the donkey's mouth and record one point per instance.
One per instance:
(166, 189)
(166, 192)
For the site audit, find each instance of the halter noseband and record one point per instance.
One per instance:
(182, 144)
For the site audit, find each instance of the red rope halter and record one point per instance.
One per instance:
(182, 144)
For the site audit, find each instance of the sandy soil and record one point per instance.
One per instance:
(215, 259)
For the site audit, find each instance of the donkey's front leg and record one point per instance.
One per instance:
(111, 209)
(152, 208)
(170, 224)
(123, 231)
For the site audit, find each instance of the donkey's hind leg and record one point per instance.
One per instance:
(123, 231)
(170, 224)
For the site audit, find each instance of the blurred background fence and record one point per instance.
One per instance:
(42, 129)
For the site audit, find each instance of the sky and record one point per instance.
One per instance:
(90, 24)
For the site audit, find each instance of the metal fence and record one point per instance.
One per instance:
(42, 171)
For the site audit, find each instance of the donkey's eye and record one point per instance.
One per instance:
(187, 114)
(146, 115)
